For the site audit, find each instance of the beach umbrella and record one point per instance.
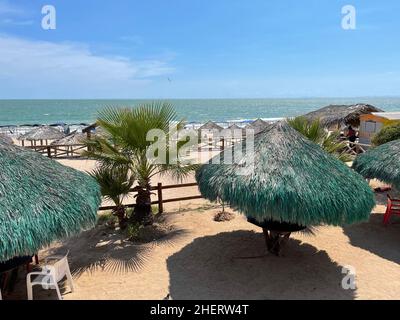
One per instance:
(43, 133)
(381, 162)
(41, 201)
(257, 125)
(209, 125)
(73, 138)
(293, 184)
(7, 139)
(234, 127)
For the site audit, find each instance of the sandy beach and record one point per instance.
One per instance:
(203, 259)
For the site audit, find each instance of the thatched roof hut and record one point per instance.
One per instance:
(341, 115)
(293, 181)
(257, 125)
(209, 125)
(42, 133)
(382, 163)
(41, 201)
(74, 138)
(7, 139)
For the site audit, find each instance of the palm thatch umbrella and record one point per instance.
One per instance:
(7, 139)
(72, 139)
(341, 115)
(209, 125)
(382, 163)
(293, 184)
(41, 201)
(43, 133)
(257, 125)
(234, 127)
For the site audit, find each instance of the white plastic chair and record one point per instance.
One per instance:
(50, 275)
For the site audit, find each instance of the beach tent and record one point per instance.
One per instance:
(41, 201)
(382, 163)
(42, 134)
(257, 125)
(336, 116)
(287, 184)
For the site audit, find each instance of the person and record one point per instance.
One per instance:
(351, 134)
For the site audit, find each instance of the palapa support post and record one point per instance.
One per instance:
(275, 240)
(48, 151)
(160, 198)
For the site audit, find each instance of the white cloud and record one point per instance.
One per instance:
(8, 8)
(9, 21)
(46, 69)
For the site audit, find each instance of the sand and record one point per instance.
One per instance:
(200, 259)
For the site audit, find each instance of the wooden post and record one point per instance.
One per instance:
(160, 199)
(222, 144)
(49, 151)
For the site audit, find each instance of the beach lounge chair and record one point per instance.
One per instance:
(393, 207)
(50, 276)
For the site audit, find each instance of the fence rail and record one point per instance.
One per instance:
(160, 200)
(59, 151)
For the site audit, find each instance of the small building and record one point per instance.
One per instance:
(335, 117)
(372, 123)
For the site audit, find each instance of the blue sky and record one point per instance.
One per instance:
(199, 49)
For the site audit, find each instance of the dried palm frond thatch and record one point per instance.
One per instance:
(257, 125)
(72, 139)
(41, 201)
(382, 163)
(42, 133)
(210, 126)
(293, 181)
(341, 115)
(7, 139)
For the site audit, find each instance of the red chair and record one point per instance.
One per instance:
(393, 207)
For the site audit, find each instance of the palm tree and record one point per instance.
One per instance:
(115, 185)
(125, 144)
(314, 131)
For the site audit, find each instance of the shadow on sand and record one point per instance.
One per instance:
(376, 238)
(206, 269)
(106, 250)
(99, 249)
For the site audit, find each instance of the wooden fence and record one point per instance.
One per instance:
(160, 199)
(59, 151)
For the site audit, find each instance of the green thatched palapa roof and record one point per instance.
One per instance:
(382, 163)
(293, 181)
(41, 201)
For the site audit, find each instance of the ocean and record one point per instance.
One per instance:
(31, 112)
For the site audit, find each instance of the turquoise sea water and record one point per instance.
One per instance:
(19, 112)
